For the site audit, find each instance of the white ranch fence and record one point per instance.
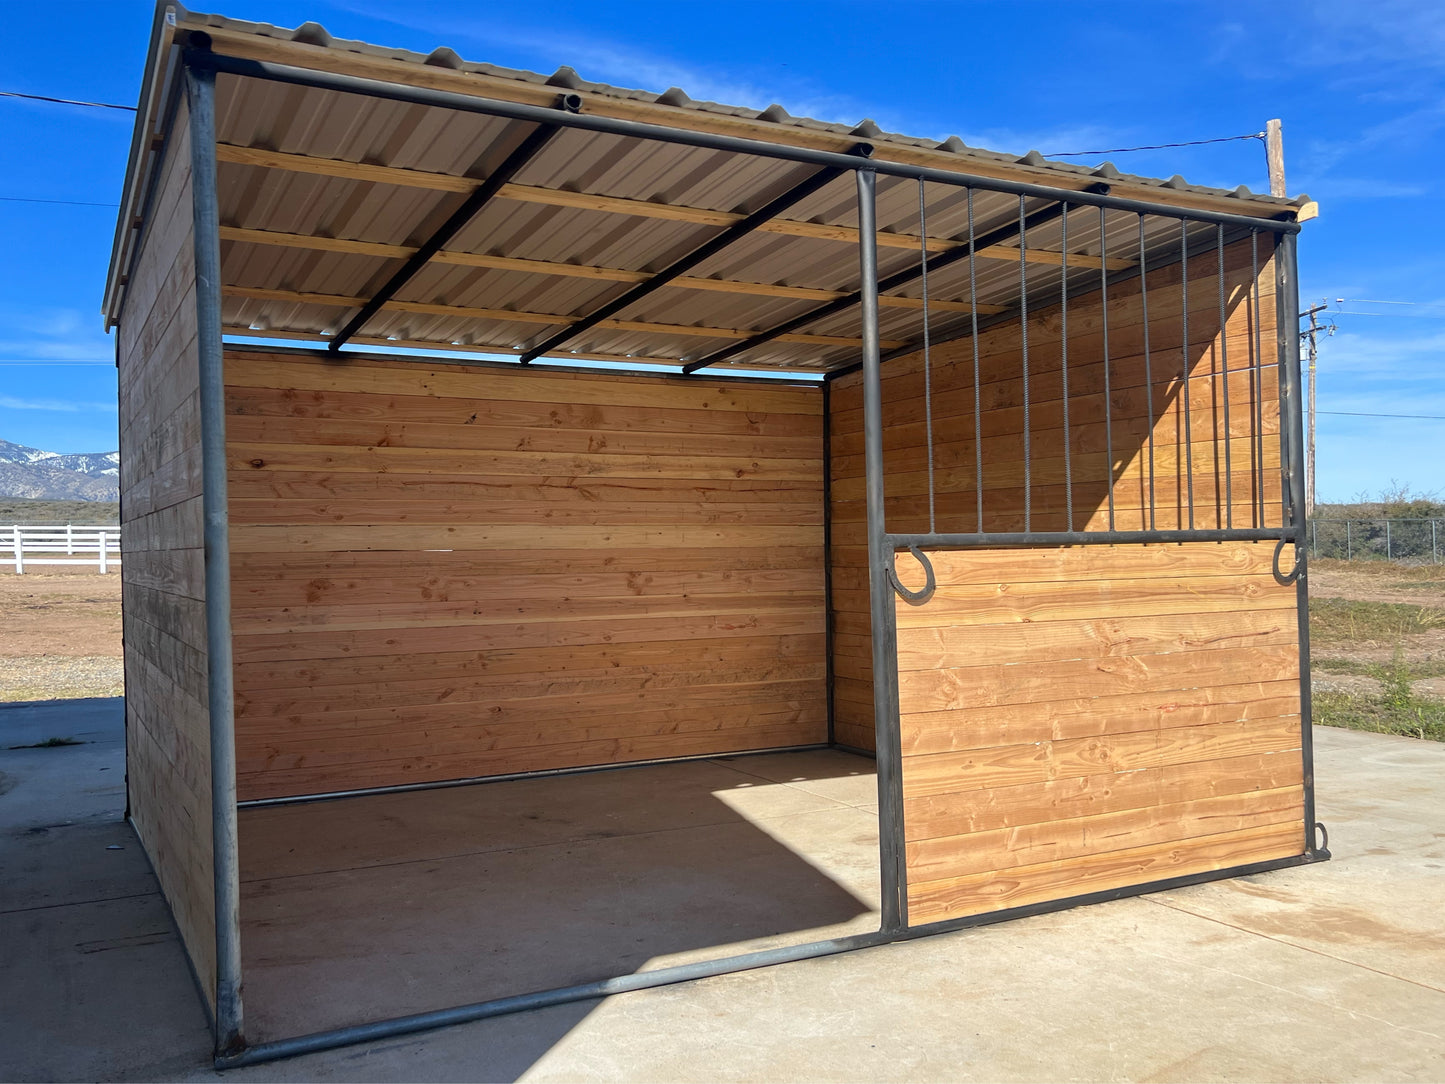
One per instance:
(21, 547)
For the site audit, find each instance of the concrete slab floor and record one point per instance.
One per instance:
(428, 899)
(1329, 972)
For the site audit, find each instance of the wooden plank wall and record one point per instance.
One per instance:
(168, 751)
(1241, 490)
(444, 571)
(1094, 717)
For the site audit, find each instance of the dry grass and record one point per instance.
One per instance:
(33, 513)
(1384, 626)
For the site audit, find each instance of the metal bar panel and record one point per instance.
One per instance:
(829, 692)
(400, 92)
(977, 383)
(1224, 377)
(892, 282)
(1108, 398)
(880, 588)
(1256, 388)
(455, 223)
(1185, 362)
(703, 252)
(1064, 370)
(1042, 299)
(1292, 428)
(927, 352)
(220, 676)
(1024, 369)
(1148, 370)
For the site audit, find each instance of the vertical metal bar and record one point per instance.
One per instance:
(927, 352)
(1314, 539)
(1224, 376)
(1064, 363)
(200, 92)
(977, 386)
(828, 670)
(1349, 542)
(1434, 542)
(1388, 555)
(1148, 370)
(1292, 436)
(1108, 395)
(880, 561)
(1256, 346)
(1184, 320)
(1024, 364)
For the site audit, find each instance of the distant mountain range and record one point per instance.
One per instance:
(75, 476)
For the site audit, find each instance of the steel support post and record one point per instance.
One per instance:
(1292, 436)
(880, 588)
(201, 91)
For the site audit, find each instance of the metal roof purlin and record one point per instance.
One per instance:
(892, 282)
(456, 222)
(705, 251)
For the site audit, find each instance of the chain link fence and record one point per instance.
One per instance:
(1385, 539)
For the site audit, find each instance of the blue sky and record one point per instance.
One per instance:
(1360, 87)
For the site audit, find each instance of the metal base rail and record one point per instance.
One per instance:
(1090, 538)
(513, 777)
(417, 1023)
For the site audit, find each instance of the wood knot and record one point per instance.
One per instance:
(258, 463)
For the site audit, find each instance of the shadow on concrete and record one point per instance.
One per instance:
(373, 907)
(367, 908)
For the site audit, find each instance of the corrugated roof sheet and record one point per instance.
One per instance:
(302, 275)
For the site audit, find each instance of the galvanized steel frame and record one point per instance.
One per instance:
(201, 67)
(220, 674)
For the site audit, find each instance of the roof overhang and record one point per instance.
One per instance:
(402, 200)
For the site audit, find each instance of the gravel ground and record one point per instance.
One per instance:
(60, 677)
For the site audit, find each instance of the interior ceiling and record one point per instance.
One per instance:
(325, 195)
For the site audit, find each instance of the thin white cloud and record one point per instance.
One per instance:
(600, 60)
(66, 406)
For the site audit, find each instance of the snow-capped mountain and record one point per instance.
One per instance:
(85, 462)
(38, 474)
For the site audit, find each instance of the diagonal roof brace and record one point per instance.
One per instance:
(892, 282)
(707, 250)
(456, 222)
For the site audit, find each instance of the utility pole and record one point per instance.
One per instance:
(1309, 336)
(1274, 153)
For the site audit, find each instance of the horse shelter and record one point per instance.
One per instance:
(579, 539)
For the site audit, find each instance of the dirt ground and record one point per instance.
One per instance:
(1400, 625)
(59, 634)
(1377, 581)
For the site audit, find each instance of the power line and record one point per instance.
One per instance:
(64, 202)
(1395, 315)
(64, 101)
(1361, 414)
(1155, 147)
